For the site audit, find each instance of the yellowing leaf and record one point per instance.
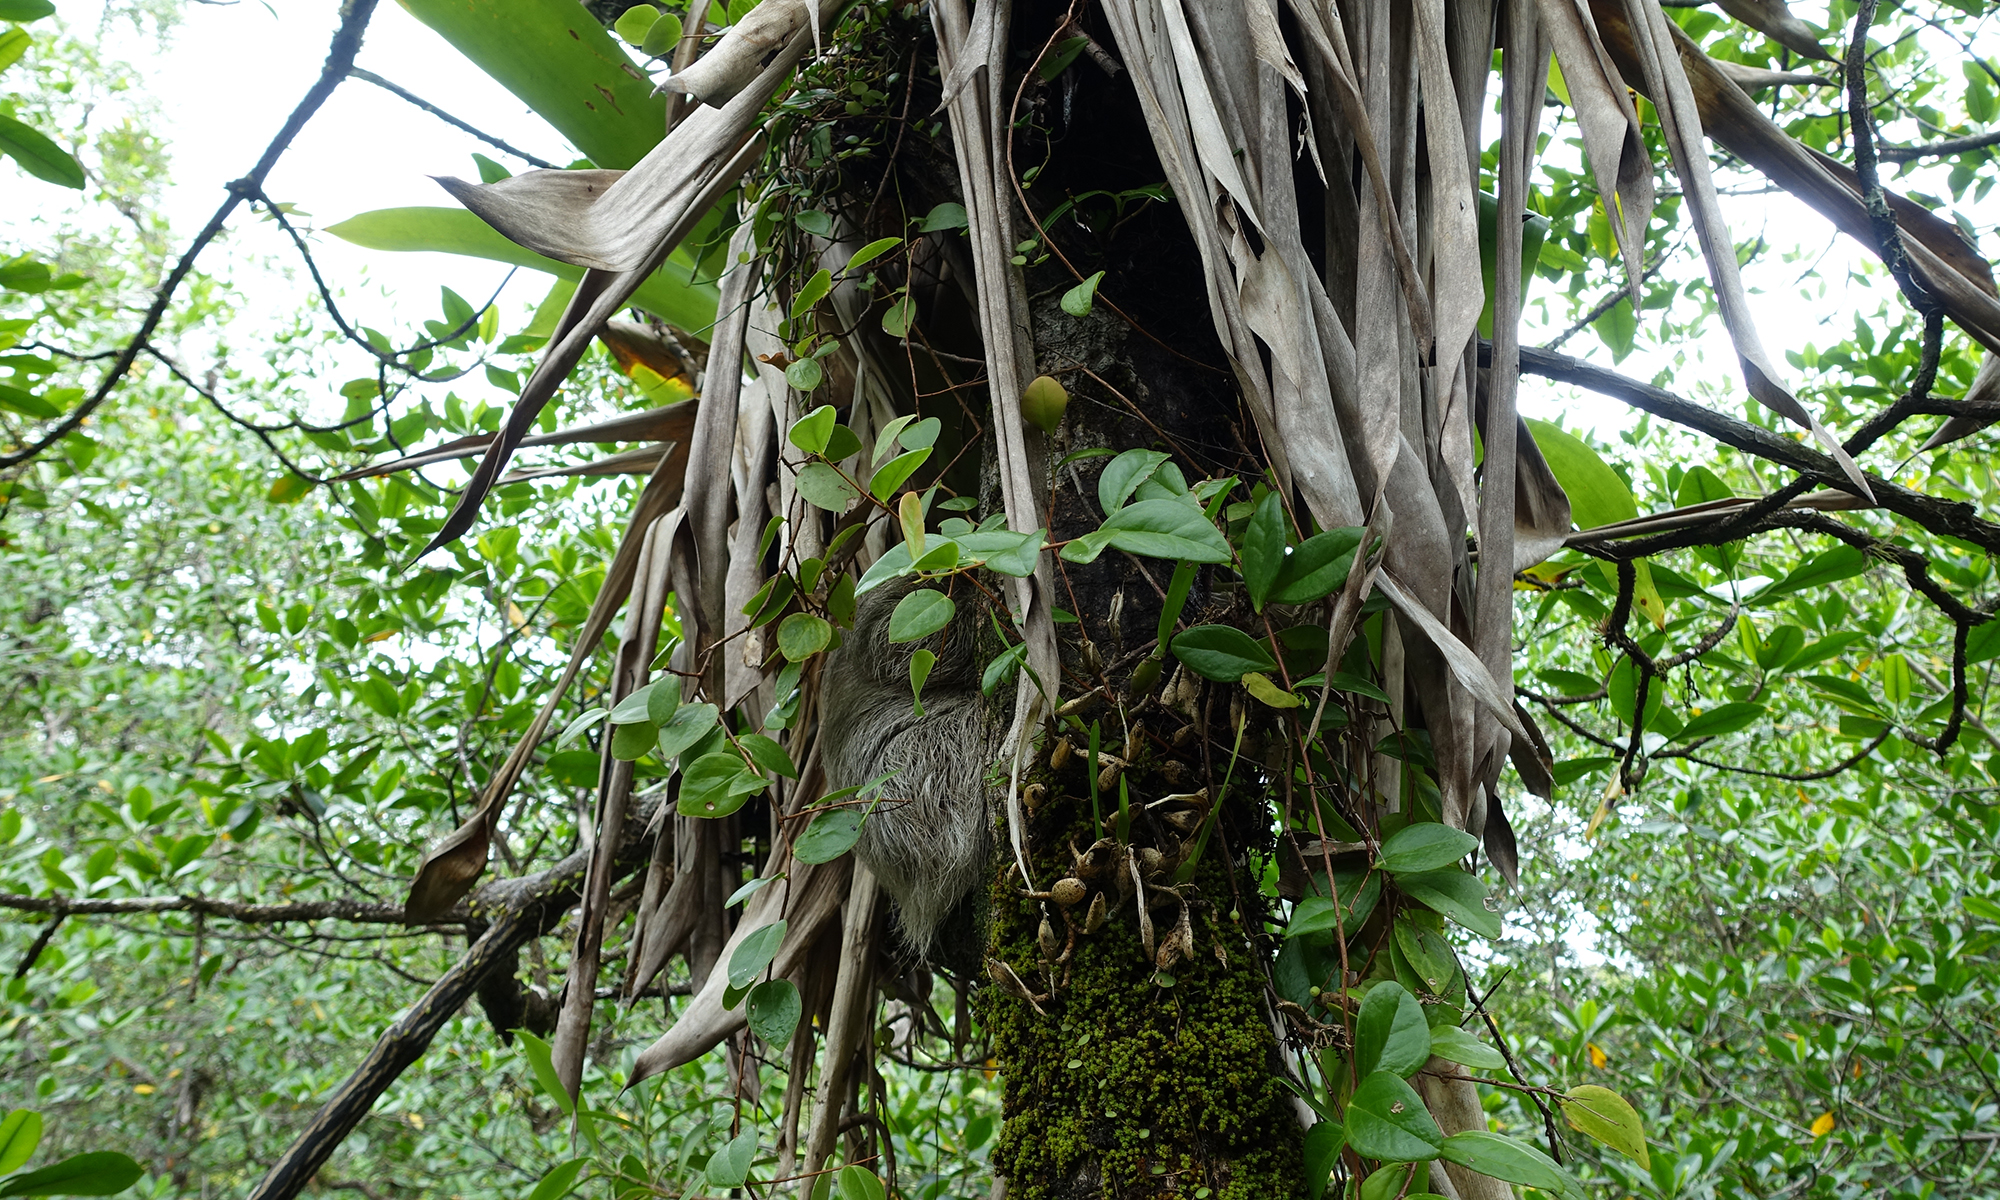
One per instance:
(1822, 1125)
(1608, 1117)
(1270, 693)
(516, 616)
(1597, 1055)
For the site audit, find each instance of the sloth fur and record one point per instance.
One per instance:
(928, 840)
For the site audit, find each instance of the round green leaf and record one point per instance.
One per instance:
(754, 953)
(1222, 653)
(768, 754)
(729, 1166)
(1077, 301)
(717, 784)
(824, 487)
(774, 1011)
(1426, 846)
(810, 432)
(689, 724)
(1123, 475)
(920, 614)
(662, 37)
(1170, 528)
(803, 635)
(629, 742)
(831, 834)
(860, 1183)
(635, 22)
(1387, 1121)
(1317, 567)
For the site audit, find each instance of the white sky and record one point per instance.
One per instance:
(234, 71)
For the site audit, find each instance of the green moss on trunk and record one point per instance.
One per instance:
(1128, 1087)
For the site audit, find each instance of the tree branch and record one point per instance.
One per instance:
(447, 118)
(519, 910)
(1938, 149)
(358, 911)
(1951, 518)
(354, 15)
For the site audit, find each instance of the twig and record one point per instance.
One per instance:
(447, 118)
(354, 15)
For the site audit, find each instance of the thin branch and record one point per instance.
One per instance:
(354, 15)
(1938, 149)
(358, 911)
(447, 118)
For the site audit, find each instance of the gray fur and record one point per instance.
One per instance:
(930, 849)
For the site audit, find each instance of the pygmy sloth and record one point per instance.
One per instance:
(927, 841)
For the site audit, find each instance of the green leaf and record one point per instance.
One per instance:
(24, 11)
(1323, 1145)
(754, 953)
(670, 293)
(1505, 1158)
(542, 1065)
(662, 37)
(30, 405)
(717, 784)
(1897, 682)
(750, 889)
(812, 293)
(1170, 529)
(729, 1166)
(560, 62)
(1426, 846)
(920, 614)
(99, 1173)
(560, 1180)
(689, 724)
(1264, 549)
(1317, 568)
(20, 1133)
(1454, 894)
(869, 253)
(811, 432)
(13, 44)
(1077, 301)
(1453, 1044)
(768, 754)
(899, 316)
(859, 1183)
(1831, 566)
(637, 706)
(774, 1011)
(1341, 681)
(1002, 668)
(38, 155)
(805, 375)
(632, 742)
(1608, 1117)
(1983, 643)
(1004, 551)
(803, 635)
(824, 487)
(1390, 1032)
(921, 663)
(945, 216)
(890, 475)
(831, 834)
(1723, 718)
(1222, 653)
(1387, 1121)
(1123, 475)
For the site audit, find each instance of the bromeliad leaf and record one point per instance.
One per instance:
(1222, 653)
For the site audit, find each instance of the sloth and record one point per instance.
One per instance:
(928, 839)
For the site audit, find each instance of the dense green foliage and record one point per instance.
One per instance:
(216, 682)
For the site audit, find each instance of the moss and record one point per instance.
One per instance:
(1126, 1087)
